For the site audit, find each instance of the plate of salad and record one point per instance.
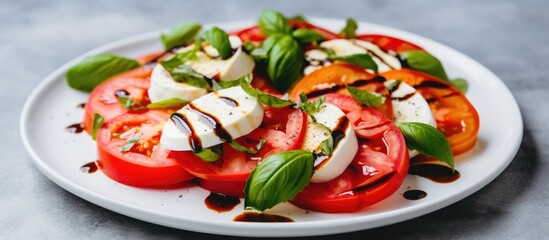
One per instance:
(274, 127)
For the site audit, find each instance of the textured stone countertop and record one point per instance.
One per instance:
(508, 37)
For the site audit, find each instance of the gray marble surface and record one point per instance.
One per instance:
(509, 37)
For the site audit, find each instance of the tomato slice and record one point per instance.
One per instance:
(332, 79)
(388, 43)
(254, 34)
(104, 101)
(454, 114)
(146, 163)
(377, 171)
(282, 129)
(229, 188)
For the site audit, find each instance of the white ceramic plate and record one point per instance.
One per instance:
(59, 154)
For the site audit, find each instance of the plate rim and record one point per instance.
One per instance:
(330, 226)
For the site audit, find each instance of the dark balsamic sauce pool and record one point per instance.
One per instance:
(220, 202)
(261, 217)
(75, 128)
(89, 168)
(414, 194)
(434, 172)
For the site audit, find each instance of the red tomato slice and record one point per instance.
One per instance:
(146, 163)
(389, 43)
(377, 171)
(455, 115)
(229, 188)
(103, 100)
(332, 79)
(282, 129)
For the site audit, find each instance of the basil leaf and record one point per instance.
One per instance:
(271, 22)
(128, 103)
(298, 18)
(94, 70)
(311, 107)
(461, 84)
(184, 73)
(279, 178)
(189, 55)
(220, 41)
(130, 142)
(208, 155)
(218, 85)
(424, 62)
(327, 146)
(304, 35)
(285, 64)
(349, 31)
(364, 97)
(362, 60)
(264, 98)
(236, 146)
(270, 41)
(427, 140)
(98, 121)
(168, 103)
(260, 145)
(180, 34)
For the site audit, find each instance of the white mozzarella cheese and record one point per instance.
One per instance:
(208, 64)
(342, 47)
(164, 87)
(230, 110)
(410, 106)
(329, 167)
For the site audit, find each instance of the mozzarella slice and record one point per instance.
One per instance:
(164, 87)
(208, 64)
(212, 119)
(410, 106)
(345, 144)
(343, 47)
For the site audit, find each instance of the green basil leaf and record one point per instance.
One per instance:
(270, 41)
(279, 178)
(189, 55)
(208, 155)
(271, 22)
(311, 107)
(180, 34)
(461, 84)
(130, 142)
(94, 70)
(349, 31)
(236, 146)
(362, 60)
(168, 103)
(285, 64)
(304, 35)
(327, 146)
(298, 18)
(260, 145)
(184, 73)
(264, 98)
(218, 85)
(98, 121)
(427, 140)
(220, 41)
(424, 62)
(365, 98)
(128, 103)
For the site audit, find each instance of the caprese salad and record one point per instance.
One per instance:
(284, 111)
